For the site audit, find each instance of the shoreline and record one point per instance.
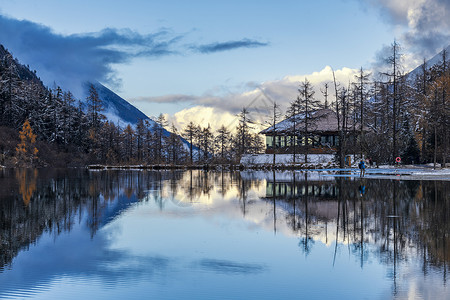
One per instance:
(416, 172)
(385, 171)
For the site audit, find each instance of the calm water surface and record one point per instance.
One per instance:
(71, 234)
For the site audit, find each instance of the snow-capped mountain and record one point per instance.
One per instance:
(118, 110)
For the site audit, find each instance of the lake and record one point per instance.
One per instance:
(130, 234)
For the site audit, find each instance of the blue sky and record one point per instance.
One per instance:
(173, 56)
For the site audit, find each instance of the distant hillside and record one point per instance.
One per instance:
(117, 109)
(23, 71)
(67, 134)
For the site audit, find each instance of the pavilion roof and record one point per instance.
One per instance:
(325, 120)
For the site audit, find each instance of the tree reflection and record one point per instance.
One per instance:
(400, 218)
(27, 183)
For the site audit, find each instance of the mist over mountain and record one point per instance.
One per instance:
(116, 109)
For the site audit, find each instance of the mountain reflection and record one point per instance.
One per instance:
(387, 220)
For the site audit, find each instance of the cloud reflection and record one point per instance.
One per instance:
(230, 267)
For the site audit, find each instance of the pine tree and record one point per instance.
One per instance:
(205, 141)
(94, 107)
(410, 153)
(175, 148)
(9, 82)
(189, 134)
(149, 141)
(243, 132)
(67, 117)
(223, 138)
(158, 129)
(128, 143)
(307, 105)
(140, 137)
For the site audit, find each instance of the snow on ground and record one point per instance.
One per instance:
(416, 173)
(323, 165)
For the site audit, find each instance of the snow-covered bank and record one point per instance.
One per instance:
(260, 160)
(324, 166)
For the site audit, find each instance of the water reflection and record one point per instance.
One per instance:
(27, 181)
(403, 218)
(397, 224)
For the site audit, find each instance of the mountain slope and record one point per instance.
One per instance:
(117, 109)
(23, 71)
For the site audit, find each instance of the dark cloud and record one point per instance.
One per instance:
(427, 45)
(427, 23)
(230, 45)
(71, 59)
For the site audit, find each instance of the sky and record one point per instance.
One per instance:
(203, 61)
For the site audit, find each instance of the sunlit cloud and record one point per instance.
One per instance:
(258, 99)
(203, 116)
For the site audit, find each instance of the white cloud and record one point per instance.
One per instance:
(326, 74)
(203, 116)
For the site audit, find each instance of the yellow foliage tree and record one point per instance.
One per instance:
(26, 151)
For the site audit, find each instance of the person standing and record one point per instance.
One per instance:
(362, 168)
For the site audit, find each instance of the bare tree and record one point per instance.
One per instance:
(325, 94)
(276, 113)
(362, 82)
(337, 110)
(394, 75)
